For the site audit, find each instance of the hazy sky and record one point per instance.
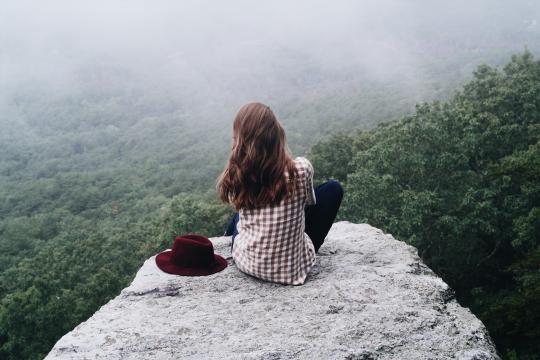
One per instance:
(249, 47)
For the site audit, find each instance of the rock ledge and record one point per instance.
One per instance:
(368, 297)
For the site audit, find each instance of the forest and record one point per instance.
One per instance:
(458, 179)
(116, 120)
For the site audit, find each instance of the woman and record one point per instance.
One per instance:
(281, 220)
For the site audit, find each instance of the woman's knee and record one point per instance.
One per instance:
(334, 187)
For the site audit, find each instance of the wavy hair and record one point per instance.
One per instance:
(260, 170)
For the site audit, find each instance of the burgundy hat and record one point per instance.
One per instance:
(191, 255)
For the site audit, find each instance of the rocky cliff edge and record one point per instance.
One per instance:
(369, 296)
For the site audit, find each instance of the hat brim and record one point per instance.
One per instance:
(163, 262)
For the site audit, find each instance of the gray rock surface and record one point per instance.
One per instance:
(369, 296)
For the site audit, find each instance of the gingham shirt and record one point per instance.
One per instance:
(271, 243)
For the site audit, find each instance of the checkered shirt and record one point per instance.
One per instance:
(271, 243)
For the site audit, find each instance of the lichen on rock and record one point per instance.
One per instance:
(369, 296)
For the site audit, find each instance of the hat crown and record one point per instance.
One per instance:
(193, 251)
(191, 255)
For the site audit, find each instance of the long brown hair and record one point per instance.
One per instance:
(255, 173)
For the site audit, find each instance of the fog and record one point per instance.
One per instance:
(223, 53)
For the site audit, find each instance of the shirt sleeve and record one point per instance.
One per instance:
(310, 191)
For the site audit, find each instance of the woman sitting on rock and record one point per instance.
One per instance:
(281, 220)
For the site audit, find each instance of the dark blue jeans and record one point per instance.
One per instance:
(319, 217)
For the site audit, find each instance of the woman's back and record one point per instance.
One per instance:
(271, 243)
(271, 226)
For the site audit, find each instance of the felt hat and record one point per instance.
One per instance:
(191, 255)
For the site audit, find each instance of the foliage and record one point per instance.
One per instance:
(95, 182)
(460, 181)
(81, 268)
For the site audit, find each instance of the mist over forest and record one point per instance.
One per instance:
(201, 60)
(116, 119)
